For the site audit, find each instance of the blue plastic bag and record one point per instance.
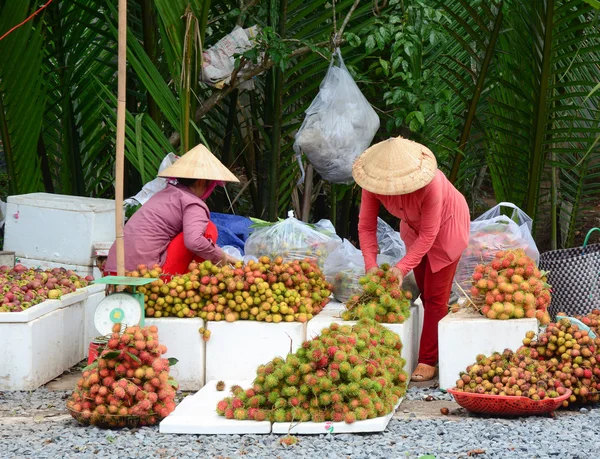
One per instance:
(233, 229)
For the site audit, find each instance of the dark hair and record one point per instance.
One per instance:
(187, 181)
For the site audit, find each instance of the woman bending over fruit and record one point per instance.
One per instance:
(173, 228)
(403, 176)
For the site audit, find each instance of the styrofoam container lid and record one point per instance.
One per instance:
(63, 202)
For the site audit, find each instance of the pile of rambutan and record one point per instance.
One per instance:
(128, 385)
(382, 299)
(511, 287)
(343, 375)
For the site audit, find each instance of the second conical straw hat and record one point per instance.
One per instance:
(199, 163)
(394, 166)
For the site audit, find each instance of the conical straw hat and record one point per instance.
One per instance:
(395, 166)
(199, 163)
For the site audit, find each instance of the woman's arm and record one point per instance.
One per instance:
(195, 221)
(367, 228)
(431, 216)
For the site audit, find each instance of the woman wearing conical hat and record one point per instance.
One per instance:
(403, 176)
(173, 227)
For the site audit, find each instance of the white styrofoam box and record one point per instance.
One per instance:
(184, 342)
(59, 228)
(236, 349)
(196, 415)
(419, 313)
(43, 264)
(318, 428)
(7, 259)
(38, 350)
(406, 331)
(96, 295)
(465, 334)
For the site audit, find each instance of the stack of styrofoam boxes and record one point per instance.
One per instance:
(408, 331)
(464, 335)
(236, 349)
(40, 343)
(185, 343)
(51, 230)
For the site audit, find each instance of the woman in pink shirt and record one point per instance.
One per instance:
(403, 176)
(173, 227)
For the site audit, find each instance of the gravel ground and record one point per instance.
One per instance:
(34, 425)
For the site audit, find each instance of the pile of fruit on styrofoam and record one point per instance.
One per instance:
(345, 374)
(22, 288)
(128, 385)
(267, 290)
(511, 287)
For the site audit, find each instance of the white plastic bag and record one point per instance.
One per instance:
(343, 269)
(391, 245)
(2, 213)
(292, 240)
(218, 62)
(492, 232)
(154, 186)
(340, 124)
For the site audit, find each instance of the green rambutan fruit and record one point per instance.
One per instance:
(293, 360)
(221, 386)
(362, 414)
(345, 367)
(334, 375)
(235, 389)
(280, 403)
(305, 368)
(354, 375)
(292, 380)
(317, 415)
(325, 399)
(353, 388)
(289, 391)
(325, 384)
(271, 381)
(273, 396)
(240, 414)
(260, 415)
(304, 389)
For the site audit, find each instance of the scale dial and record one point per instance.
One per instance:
(117, 308)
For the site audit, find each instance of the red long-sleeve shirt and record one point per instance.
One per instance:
(434, 221)
(166, 214)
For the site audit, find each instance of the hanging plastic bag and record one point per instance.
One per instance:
(290, 239)
(492, 232)
(391, 245)
(340, 124)
(343, 269)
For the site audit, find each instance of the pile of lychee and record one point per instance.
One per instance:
(267, 290)
(559, 359)
(382, 299)
(128, 385)
(343, 375)
(511, 287)
(21, 287)
(571, 357)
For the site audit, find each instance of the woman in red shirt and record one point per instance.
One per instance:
(173, 227)
(403, 176)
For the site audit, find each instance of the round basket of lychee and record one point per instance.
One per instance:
(128, 385)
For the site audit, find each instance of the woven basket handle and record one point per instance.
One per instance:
(585, 242)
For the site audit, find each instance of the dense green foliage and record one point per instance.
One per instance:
(501, 90)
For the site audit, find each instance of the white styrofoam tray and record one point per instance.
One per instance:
(196, 414)
(316, 428)
(464, 335)
(184, 342)
(57, 228)
(406, 331)
(236, 349)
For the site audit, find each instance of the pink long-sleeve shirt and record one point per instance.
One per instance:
(149, 231)
(435, 222)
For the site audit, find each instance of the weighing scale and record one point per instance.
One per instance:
(120, 307)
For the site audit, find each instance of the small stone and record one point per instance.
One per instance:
(584, 410)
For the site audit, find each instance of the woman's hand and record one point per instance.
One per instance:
(227, 259)
(373, 270)
(398, 274)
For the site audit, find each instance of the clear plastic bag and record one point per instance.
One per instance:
(492, 232)
(340, 124)
(292, 240)
(343, 269)
(391, 246)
